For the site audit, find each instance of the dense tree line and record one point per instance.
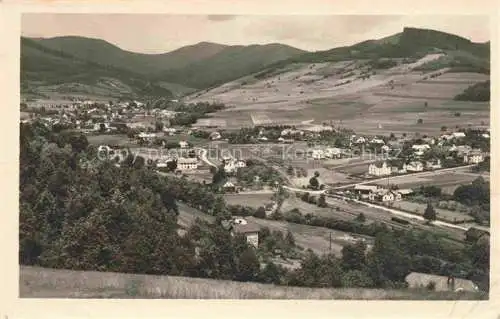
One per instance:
(477, 92)
(190, 113)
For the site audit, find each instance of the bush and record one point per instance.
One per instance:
(260, 212)
(431, 286)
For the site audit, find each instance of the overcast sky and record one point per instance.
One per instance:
(162, 33)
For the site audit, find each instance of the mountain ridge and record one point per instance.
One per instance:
(206, 64)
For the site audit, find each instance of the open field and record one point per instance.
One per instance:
(306, 208)
(252, 200)
(449, 180)
(380, 215)
(35, 282)
(311, 237)
(111, 139)
(187, 215)
(444, 214)
(371, 106)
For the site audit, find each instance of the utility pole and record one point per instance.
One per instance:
(330, 242)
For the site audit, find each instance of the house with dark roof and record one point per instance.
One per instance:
(250, 230)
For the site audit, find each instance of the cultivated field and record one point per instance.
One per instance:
(37, 282)
(376, 105)
(310, 237)
(442, 214)
(251, 200)
(449, 180)
(109, 139)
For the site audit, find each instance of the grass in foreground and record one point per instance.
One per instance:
(37, 282)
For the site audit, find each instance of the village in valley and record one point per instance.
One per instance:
(321, 184)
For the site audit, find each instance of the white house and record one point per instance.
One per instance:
(382, 196)
(364, 191)
(473, 158)
(377, 141)
(420, 149)
(458, 134)
(228, 186)
(446, 137)
(231, 165)
(169, 130)
(379, 169)
(404, 192)
(286, 140)
(186, 164)
(318, 128)
(215, 136)
(414, 167)
(318, 154)
(433, 164)
(333, 152)
(360, 140)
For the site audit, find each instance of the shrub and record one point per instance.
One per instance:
(431, 286)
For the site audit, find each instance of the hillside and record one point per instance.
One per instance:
(196, 66)
(372, 87)
(46, 71)
(229, 64)
(105, 53)
(412, 42)
(37, 282)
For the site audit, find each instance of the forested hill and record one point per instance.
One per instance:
(200, 65)
(410, 43)
(42, 67)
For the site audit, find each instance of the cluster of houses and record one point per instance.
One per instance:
(231, 164)
(380, 194)
(384, 169)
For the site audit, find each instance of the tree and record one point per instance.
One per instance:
(172, 165)
(248, 266)
(356, 279)
(102, 128)
(386, 262)
(314, 183)
(322, 201)
(260, 212)
(219, 176)
(353, 256)
(431, 191)
(290, 240)
(361, 218)
(430, 213)
(79, 143)
(159, 126)
(271, 274)
(420, 121)
(305, 197)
